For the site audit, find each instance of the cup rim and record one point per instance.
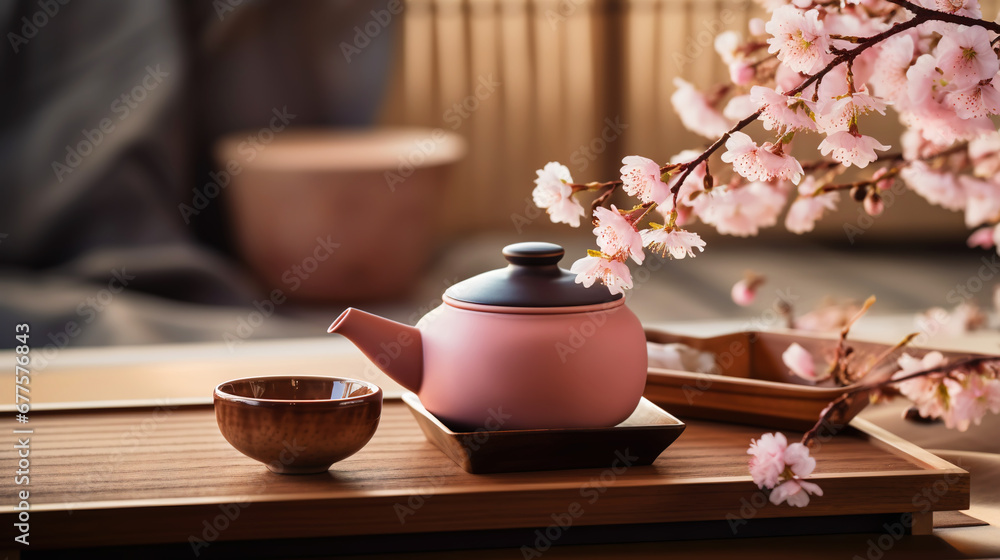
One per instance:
(220, 394)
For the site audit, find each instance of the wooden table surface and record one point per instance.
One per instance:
(71, 444)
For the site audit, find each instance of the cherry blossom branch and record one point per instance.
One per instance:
(841, 404)
(919, 11)
(921, 15)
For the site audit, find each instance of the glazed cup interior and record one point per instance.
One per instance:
(295, 389)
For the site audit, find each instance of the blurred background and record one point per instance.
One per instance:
(238, 169)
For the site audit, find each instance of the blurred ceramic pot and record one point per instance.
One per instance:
(337, 215)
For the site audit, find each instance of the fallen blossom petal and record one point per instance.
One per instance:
(799, 361)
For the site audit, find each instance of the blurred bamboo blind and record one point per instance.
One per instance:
(532, 81)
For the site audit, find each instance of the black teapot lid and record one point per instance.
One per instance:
(532, 279)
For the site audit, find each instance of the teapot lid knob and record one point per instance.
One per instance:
(533, 253)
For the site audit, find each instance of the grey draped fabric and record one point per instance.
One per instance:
(109, 110)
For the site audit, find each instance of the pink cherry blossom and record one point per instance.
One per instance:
(742, 210)
(881, 182)
(798, 38)
(851, 149)
(696, 113)
(799, 361)
(759, 163)
(938, 188)
(767, 461)
(889, 75)
(873, 205)
(985, 154)
(779, 112)
(978, 101)
(741, 72)
(692, 185)
(809, 207)
(968, 8)
(727, 44)
(923, 390)
(795, 492)
(641, 178)
(971, 397)
(841, 113)
(923, 79)
(616, 236)
(774, 461)
(554, 194)
(982, 238)
(739, 107)
(965, 58)
(679, 243)
(982, 200)
(745, 291)
(612, 273)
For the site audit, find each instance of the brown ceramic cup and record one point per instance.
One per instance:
(298, 425)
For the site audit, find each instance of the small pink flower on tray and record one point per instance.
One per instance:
(782, 468)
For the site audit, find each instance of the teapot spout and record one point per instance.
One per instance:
(393, 347)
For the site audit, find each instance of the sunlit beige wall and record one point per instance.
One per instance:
(582, 82)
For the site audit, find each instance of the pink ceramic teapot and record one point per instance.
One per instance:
(522, 347)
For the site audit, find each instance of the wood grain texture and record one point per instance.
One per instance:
(159, 475)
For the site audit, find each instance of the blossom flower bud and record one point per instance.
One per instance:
(741, 72)
(873, 204)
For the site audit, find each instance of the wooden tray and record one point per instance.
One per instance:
(644, 435)
(753, 385)
(152, 476)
